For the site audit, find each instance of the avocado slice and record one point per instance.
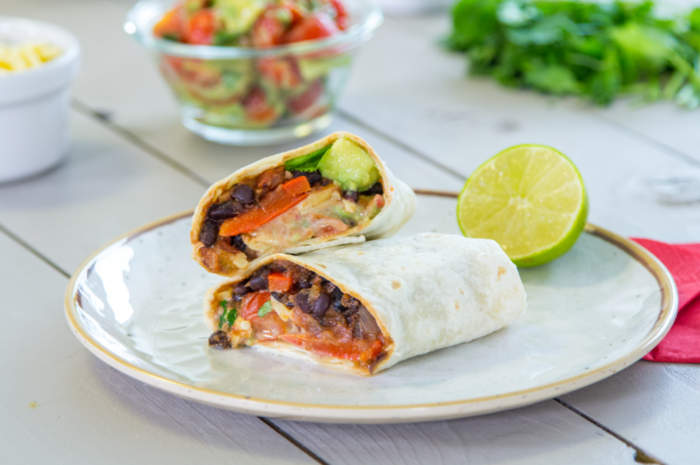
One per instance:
(350, 165)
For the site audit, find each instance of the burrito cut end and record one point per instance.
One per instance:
(322, 193)
(365, 308)
(283, 305)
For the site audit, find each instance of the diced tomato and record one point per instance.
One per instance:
(200, 28)
(297, 11)
(269, 29)
(272, 205)
(283, 72)
(268, 328)
(347, 350)
(324, 226)
(256, 107)
(278, 282)
(300, 103)
(316, 26)
(341, 18)
(252, 303)
(171, 24)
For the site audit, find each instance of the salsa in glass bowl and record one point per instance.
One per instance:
(254, 72)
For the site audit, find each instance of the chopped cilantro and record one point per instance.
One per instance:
(227, 315)
(225, 38)
(308, 162)
(595, 50)
(171, 36)
(265, 309)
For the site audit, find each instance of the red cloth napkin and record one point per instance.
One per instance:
(682, 343)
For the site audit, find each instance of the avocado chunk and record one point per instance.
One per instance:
(350, 165)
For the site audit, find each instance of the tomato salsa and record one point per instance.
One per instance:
(256, 92)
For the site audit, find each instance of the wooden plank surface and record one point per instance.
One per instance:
(546, 433)
(413, 94)
(60, 405)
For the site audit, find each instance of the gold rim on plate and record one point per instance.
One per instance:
(389, 413)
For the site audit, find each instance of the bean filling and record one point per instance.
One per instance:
(283, 301)
(278, 209)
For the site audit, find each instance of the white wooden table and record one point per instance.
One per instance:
(132, 162)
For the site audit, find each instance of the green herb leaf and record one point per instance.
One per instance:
(598, 50)
(222, 38)
(308, 162)
(231, 316)
(222, 318)
(265, 309)
(227, 315)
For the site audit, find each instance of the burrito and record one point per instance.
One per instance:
(332, 192)
(362, 309)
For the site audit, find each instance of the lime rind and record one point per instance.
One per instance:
(502, 202)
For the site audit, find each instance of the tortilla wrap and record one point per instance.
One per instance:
(426, 292)
(400, 202)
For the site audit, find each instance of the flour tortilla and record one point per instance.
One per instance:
(399, 207)
(426, 292)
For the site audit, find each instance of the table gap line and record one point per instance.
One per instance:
(32, 250)
(402, 145)
(291, 439)
(139, 142)
(640, 455)
(691, 160)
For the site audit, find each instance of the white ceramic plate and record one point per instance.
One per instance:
(137, 305)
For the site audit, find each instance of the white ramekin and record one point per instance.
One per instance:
(34, 104)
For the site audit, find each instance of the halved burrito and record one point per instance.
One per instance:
(364, 308)
(334, 191)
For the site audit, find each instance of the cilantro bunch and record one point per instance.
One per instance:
(594, 50)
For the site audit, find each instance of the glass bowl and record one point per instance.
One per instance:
(255, 96)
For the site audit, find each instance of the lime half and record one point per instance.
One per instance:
(528, 198)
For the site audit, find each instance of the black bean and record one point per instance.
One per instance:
(283, 298)
(302, 301)
(209, 232)
(219, 340)
(377, 188)
(337, 297)
(239, 243)
(313, 176)
(321, 304)
(243, 193)
(241, 289)
(258, 283)
(353, 196)
(226, 210)
(325, 181)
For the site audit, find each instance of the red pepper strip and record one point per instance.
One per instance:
(273, 205)
(353, 350)
(253, 303)
(278, 282)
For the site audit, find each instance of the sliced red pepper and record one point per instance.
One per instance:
(296, 186)
(278, 282)
(272, 205)
(252, 303)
